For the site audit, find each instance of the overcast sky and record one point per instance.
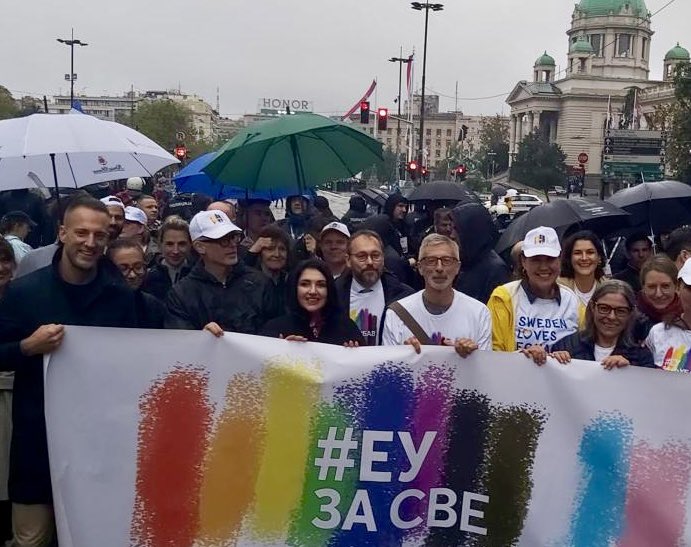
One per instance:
(325, 51)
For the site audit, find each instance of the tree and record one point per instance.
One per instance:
(494, 145)
(539, 163)
(160, 121)
(8, 107)
(679, 138)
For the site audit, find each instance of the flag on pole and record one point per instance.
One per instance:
(364, 98)
(609, 112)
(409, 74)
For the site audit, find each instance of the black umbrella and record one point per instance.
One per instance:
(373, 196)
(499, 190)
(442, 190)
(564, 215)
(656, 206)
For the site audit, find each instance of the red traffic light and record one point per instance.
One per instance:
(180, 152)
(364, 105)
(382, 118)
(383, 112)
(412, 166)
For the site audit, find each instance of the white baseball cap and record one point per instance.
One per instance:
(135, 214)
(541, 241)
(211, 225)
(112, 201)
(685, 272)
(135, 183)
(337, 227)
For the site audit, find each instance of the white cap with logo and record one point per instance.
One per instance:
(685, 272)
(541, 241)
(110, 201)
(135, 183)
(337, 227)
(211, 225)
(135, 214)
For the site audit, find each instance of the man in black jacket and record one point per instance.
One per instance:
(220, 293)
(367, 290)
(78, 288)
(356, 214)
(482, 269)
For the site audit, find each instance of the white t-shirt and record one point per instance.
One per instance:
(584, 297)
(601, 352)
(544, 321)
(466, 318)
(366, 309)
(671, 347)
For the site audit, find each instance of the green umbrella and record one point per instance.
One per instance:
(295, 152)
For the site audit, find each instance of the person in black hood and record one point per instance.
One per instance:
(356, 214)
(323, 209)
(314, 313)
(393, 261)
(297, 217)
(396, 209)
(482, 270)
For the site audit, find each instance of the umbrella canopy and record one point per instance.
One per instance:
(374, 197)
(191, 179)
(293, 152)
(442, 190)
(565, 215)
(73, 150)
(499, 190)
(656, 206)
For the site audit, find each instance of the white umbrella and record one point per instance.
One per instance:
(72, 151)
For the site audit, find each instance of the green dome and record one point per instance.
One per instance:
(678, 53)
(596, 8)
(582, 46)
(545, 59)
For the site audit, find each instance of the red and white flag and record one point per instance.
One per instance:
(357, 104)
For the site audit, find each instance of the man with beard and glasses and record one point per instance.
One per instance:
(79, 287)
(438, 314)
(366, 290)
(116, 210)
(221, 292)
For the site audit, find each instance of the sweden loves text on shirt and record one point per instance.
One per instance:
(539, 330)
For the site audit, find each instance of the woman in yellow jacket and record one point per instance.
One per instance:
(534, 312)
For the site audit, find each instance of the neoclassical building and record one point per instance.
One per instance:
(608, 54)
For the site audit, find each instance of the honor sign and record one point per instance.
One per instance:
(275, 105)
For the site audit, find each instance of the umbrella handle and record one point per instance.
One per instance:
(55, 179)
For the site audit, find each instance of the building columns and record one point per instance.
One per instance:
(512, 137)
(553, 129)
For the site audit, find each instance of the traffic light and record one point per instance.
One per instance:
(382, 118)
(461, 172)
(364, 112)
(181, 152)
(412, 169)
(424, 173)
(463, 133)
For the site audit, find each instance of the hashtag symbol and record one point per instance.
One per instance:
(342, 447)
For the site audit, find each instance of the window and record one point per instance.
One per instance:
(448, 144)
(428, 143)
(437, 153)
(428, 132)
(644, 47)
(388, 141)
(448, 133)
(598, 42)
(624, 45)
(438, 132)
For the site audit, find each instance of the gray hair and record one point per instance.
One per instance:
(612, 286)
(433, 240)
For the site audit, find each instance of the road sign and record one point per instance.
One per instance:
(582, 157)
(634, 153)
(647, 171)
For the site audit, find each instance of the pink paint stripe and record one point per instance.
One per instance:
(656, 499)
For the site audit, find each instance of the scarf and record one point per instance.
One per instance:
(656, 315)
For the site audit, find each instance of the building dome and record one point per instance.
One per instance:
(678, 53)
(545, 60)
(596, 8)
(582, 46)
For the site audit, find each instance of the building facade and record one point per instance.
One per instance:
(608, 54)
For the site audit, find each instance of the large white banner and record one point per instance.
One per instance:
(178, 439)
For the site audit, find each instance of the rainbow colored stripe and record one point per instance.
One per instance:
(677, 359)
(245, 472)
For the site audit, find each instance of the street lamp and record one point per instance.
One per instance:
(401, 61)
(419, 6)
(71, 42)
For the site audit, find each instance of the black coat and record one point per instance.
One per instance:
(338, 329)
(151, 313)
(630, 276)
(482, 270)
(36, 299)
(393, 290)
(241, 304)
(157, 281)
(580, 346)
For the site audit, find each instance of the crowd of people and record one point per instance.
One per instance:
(132, 261)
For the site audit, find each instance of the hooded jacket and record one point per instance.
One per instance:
(400, 226)
(242, 303)
(482, 270)
(41, 298)
(295, 225)
(356, 214)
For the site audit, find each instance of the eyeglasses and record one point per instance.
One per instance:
(362, 257)
(225, 241)
(605, 309)
(137, 269)
(446, 261)
(664, 288)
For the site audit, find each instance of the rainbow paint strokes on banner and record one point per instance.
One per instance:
(620, 475)
(368, 325)
(390, 457)
(677, 359)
